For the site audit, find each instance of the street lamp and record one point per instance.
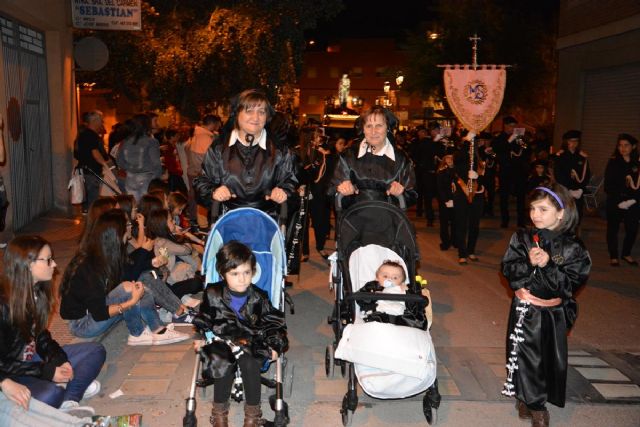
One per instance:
(386, 87)
(399, 79)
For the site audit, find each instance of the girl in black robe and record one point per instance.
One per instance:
(545, 266)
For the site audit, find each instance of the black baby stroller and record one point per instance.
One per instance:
(262, 234)
(374, 352)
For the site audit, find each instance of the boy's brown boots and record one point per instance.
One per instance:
(253, 416)
(540, 418)
(220, 414)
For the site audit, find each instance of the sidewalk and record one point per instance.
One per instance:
(470, 316)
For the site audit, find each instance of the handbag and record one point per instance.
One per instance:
(76, 186)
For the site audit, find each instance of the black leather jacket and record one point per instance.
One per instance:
(263, 327)
(567, 270)
(372, 175)
(250, 173)
(12, 346)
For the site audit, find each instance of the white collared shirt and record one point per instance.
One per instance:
(386, 150)
(261, 140)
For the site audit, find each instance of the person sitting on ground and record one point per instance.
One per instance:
(234, 309)
(32, 363)
(390, 278)
(96, 209)
(183, 260)
(94, 295)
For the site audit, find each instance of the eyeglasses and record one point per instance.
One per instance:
(48, 260)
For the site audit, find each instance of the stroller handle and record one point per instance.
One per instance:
(216, 208)
(402, 203)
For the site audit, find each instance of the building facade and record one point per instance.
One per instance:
(599, 74)
(37, 99)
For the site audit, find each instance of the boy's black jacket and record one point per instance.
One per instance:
(262, 329)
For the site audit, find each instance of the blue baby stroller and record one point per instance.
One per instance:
(262, 234)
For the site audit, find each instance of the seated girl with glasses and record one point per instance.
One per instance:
(32, 363)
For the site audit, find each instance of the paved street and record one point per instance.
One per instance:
(470, 306)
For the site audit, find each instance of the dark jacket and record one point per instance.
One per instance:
(566, 271)
(615, 179)
(372, 175)
(567, 161)
(446, 178)
(261, 329)
(12, 346)
(250, 173)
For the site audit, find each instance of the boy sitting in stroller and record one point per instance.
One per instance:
(251, 329)
(390, 278)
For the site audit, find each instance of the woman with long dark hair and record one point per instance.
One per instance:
(95, 296)
(32, 363)
(622, 185)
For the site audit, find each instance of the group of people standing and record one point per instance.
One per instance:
(117, 273)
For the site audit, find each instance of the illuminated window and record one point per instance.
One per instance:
(312, 73)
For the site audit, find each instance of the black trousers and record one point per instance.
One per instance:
(509, 185)
(447, 224)
(467, 222)
(629, 217)
(187, 287)
(250, 372)
(320, 217)
(427, 191)
(490, 186)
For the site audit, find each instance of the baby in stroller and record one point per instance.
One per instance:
(390, 277)
(250, 331)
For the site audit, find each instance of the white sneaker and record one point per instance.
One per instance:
(92, 390)
(73, 408)
(145, 338)
(169, 336)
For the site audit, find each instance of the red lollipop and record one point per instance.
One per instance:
(536, 239)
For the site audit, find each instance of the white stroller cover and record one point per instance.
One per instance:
(390, 361)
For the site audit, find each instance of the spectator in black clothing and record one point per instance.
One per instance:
(468, 202)
(427, 153)
(446, 183)
(622, 185)
(319, 165)
(487, 155)
(91, 156)
(512, 155)
(571, 167)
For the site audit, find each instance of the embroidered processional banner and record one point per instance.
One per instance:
(475, 96)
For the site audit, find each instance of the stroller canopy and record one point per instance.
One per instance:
(378, 223)
(261, 233)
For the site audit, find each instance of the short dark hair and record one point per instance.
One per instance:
(211, 119)
(232, 255)
(249, 99)
(570, 217)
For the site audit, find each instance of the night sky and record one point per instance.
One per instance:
(365, 18)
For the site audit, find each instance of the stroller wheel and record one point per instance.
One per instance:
(430, 412)
(347, 415)
(329, 361)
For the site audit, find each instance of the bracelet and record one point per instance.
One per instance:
(120, 308)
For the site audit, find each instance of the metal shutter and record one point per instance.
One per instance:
(611, 106)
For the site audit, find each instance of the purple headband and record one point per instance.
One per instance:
(554, 195)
